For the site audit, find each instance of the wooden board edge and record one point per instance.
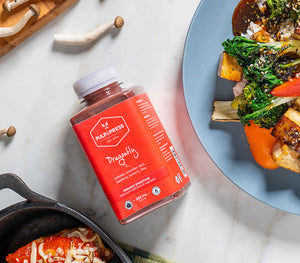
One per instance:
(21, 36)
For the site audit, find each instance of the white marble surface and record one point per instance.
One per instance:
(215, 222)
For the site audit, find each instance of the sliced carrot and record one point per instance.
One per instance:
(261, 144)
(288, 89)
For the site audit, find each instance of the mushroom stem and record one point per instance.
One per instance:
(9, 132)
(34, 10)
(8, 5)
(83, 39)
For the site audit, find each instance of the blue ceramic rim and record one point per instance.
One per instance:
(184, 63)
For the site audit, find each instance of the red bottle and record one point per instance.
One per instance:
(127, 146)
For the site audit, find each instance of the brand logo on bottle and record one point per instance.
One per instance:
(109, 131)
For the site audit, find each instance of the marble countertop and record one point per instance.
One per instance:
(215, 222)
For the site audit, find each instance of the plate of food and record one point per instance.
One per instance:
(40, 229)
(241, 85)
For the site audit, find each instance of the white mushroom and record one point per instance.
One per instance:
(10, 5)
(34, 10)
(9, 132)
(83, 39)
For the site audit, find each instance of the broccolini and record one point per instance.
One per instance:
(266, 66)
(261, 62)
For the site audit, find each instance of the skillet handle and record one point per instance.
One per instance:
(15, 183)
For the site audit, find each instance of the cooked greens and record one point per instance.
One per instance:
(261, 62)
(277, 7)
(266, 66)
(263, 108)
(284, 8)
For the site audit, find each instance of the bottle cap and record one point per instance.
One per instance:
(95, 81)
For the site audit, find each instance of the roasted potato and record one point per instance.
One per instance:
(229, 68)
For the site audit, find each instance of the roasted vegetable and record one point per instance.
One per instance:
(261, 144)
(266, 115)
(268, 99)
(229, 68)
(224, 112)
(277, 7)
(285, 8)
(266, 66)
(262, 108)
(287, 130)
(261, 62)
(288, 89)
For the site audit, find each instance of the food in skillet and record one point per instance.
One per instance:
(264, 59)
(75, 245)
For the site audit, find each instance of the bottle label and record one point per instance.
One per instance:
(132, 155)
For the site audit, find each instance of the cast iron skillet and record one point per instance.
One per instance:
(39, 216)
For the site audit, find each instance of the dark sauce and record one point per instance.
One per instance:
(245, 12)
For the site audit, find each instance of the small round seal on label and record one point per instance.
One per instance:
(128, 205)
(156, 190)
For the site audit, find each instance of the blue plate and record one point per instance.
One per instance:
(226, 142)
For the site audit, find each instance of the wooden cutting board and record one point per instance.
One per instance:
(49, 10)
